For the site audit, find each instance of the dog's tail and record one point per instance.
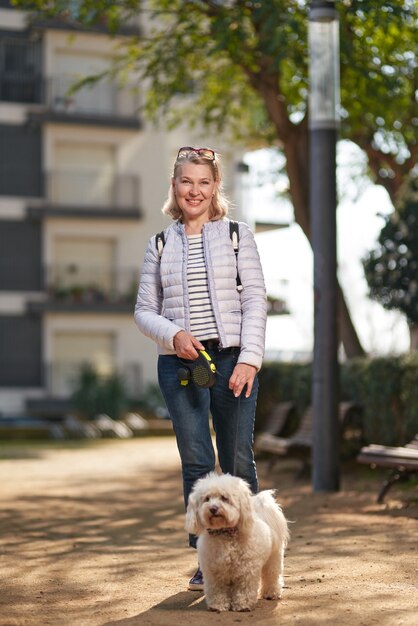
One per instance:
(271, 512)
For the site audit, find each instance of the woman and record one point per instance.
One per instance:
(188, 301)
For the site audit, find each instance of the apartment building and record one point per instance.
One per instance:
(82, 182)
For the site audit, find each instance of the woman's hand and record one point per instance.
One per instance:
(186, 346)
(242, 375)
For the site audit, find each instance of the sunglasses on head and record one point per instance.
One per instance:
(207, 153)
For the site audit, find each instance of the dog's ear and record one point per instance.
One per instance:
(246, 519)
(193, 524)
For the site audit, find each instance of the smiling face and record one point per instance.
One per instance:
(194, 186)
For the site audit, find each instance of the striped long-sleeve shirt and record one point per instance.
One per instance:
(202, 319)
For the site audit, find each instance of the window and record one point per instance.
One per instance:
(20, 351)
(20, 256)
(84, 175)
(97, 98)
(20, 161)
(83, 266)
(20, 69)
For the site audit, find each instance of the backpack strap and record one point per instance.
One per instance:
(234, 234)
(160, 243)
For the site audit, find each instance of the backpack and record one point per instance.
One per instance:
(233, 233)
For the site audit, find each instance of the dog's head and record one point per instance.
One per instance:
(219, 502)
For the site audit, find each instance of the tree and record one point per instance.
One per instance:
(245, 64)
(392, 268)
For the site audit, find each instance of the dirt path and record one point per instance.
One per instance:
(94, 536)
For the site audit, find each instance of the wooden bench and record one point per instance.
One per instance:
(403, 461)
(300, 442)
(277, 419)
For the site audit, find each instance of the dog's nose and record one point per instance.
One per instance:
(213, 509)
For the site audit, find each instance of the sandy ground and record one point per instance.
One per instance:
(94, 536)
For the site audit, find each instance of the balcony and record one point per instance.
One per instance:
(77, 288)
(90, 194)
(19, 88)
(103, 104)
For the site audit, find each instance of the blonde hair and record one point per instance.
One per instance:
(220, 203)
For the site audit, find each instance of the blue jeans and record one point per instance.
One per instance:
(233, 422)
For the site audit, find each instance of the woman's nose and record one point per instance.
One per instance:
(195, 189)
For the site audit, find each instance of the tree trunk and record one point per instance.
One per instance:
(296, 152)
(294, 140)
(413, 334)
(347, 333)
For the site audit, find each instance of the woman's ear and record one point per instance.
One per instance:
(192, 524)
(246, 519)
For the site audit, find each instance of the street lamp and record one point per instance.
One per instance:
(323, 125)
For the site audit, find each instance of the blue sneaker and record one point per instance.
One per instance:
(196, 581)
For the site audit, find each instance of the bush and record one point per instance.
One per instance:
(376, 385)
(409, 397)
(280, 382)
(386, 389)
(152, 403)
(94, 394)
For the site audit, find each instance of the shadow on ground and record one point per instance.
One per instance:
(96, 538)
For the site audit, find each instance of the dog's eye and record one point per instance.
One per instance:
(224, 499)
(207, 499)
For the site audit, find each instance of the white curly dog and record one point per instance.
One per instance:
(241, 542)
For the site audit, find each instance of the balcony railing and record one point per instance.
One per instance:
(93, 189)
(97, 99)
(73, 284)
(60, 377)
(16, 87)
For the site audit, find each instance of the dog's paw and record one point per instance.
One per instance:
(218, 603)
(243, 605)
(272, 594)
(218, 608)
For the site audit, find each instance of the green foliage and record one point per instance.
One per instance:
(242, 60)
(280, 382)
(151, 403)
(241, 68)
(385, 388)
(94, 394)
(375, 384)
(378, 48)
(409, 396)
(391, 269)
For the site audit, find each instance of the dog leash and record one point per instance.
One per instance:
(236, 433)
(234, 466)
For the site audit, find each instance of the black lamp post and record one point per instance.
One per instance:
(323, 126)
